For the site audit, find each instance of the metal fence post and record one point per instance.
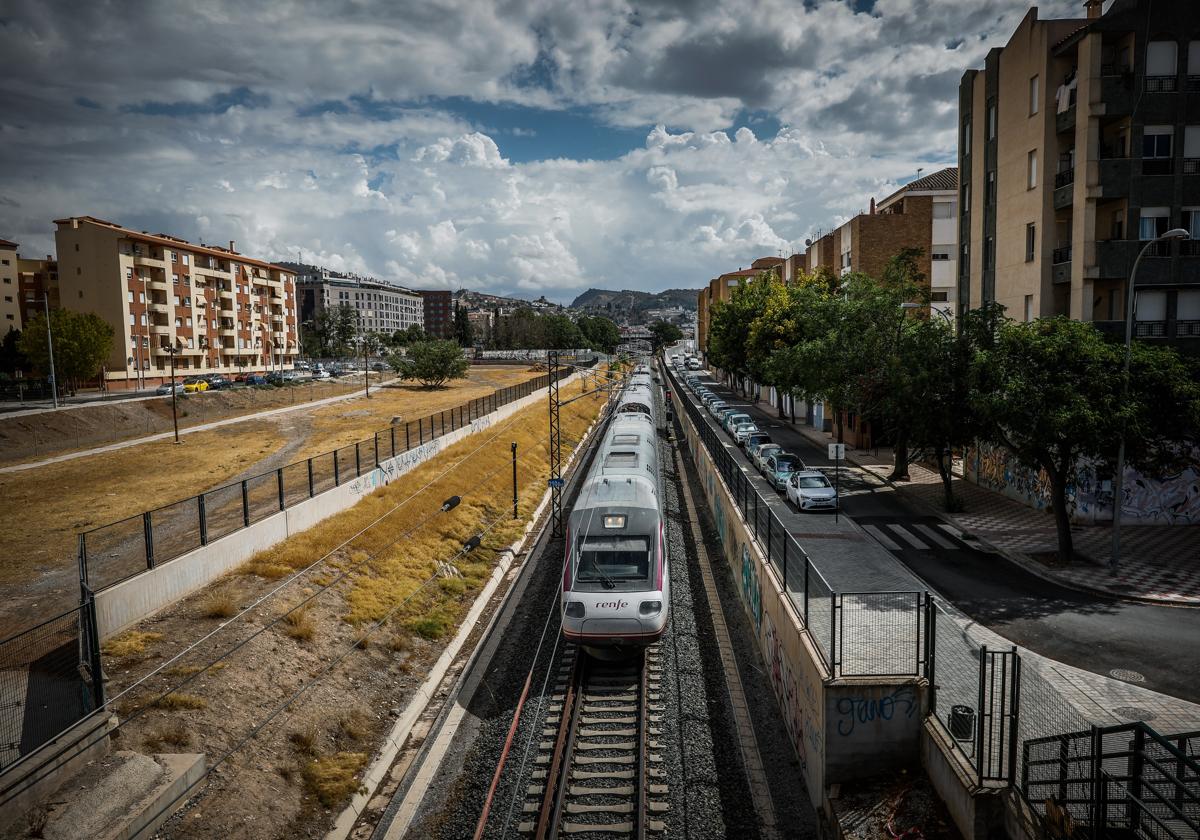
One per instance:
(279, 486)
(245, 506)
(83, 564)
(357, 461)
(94, 662)
(393, 431)
(1135, 783)
(407, 441)
(748, 489)
(833, 635)
(768, 532)
(336, 472)
(981, 760)
(148, 536)
(203, 514)
(785, 542)
(931, 652)
(311, 485)
(1014, 714)
(375, 437)
(420, 432)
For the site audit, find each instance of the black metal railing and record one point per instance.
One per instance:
(1116, 781)
(1150, 329)
(1064, 177)
(117, 551)
(1061, 255)
(1187, 329)
(1191, 166)
(856, 633)
(1158, 166)
(49, 681)
(1162, 84)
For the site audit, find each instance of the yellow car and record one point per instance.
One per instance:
(194, 385)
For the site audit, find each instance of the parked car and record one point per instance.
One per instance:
(274, 378)
(763, 453)
(732, 420)
(743, 430)
(724, 413)
(256, 379)
(195, 385)
(318, 373)
(715, 407)
(693, 364)
(379, 367)
(811, 490)
(779, 468)
(754, 441)
(166, 388)
(217, 382)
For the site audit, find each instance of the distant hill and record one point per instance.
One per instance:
(633, 304)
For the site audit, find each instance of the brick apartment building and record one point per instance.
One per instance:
(37, 285)
(922, 214)
(219, 311)
(10, 307)
(1079, 141)
(439, 312)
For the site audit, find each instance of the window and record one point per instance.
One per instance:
(1028, 308)
(1191, 149)
(185, 259)
(132, 319)
(1030, 241)
(966, 135)
(1161, 59)
(174, 256)
(990, 195)
(175, 279)
(966, 198)
(1033, 96)
(944, 210)
(1191, 221)
(1153, 223)
(991, 121)
(3, 262)
(989, 252)
(129, 274)
(142, 297)
(177, 300)
(1156, 141)
(130, 296)
(1031, 166)
(1150, 306)
(143, 319)
(939, 297)
(940, 256)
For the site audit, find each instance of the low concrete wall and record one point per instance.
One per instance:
(840, 729)
(139, 597)
(978, 812)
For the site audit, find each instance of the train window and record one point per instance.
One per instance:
(607, 559)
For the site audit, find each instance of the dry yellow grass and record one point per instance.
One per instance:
(188, 670)
(333, 778)
(75, 495)
(173, 734)
(132, 643)
(344, 423)
(177, 700)
(219, 603)
(298, 625)
(389, 564)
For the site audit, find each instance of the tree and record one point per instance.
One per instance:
(1050, 391)
(409, 335)
(729, 325)
(12, 359)
(335, 329)
(82, 341)
(463, 331)
(599, 333)
(663, 333)
(561, 333)
(432, 363)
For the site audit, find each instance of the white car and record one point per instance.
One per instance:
(743, 430)
(811, 490)
(733, 420)
(715, 406)
(764, 452)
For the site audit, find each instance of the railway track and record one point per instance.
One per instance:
(598, 769)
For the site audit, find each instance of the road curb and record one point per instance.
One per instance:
(1021, 560)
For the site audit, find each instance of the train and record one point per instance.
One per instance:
(616, 583)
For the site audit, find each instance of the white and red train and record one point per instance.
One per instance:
(616, 578)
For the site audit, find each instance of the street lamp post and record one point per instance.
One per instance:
(171, 351)
(50, 348)
(1119, 477)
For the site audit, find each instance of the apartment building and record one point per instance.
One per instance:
(37, 282)
(214, 309)
(922, 214)
(1079, 141)
(720, 288)
(438, 312)
(378, 306)
(483, 322)
(10, 307)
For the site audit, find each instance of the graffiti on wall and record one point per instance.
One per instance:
(798, 699)
(751, 588)
(1169, 500)
(865, 710)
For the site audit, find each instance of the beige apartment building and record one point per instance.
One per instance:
(10, 306)
(1079, 141)
(215, 310)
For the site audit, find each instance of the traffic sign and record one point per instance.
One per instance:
(837, 451)
(556, 483)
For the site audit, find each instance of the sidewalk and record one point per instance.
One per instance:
(1159, 563)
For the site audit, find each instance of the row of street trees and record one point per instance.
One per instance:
(82, 343)
(1048, 390)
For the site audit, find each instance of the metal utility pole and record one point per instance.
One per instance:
(174, 403)
(556, 481)
(1119, 477)
(50, 347)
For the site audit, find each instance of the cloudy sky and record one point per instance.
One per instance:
(523, 146)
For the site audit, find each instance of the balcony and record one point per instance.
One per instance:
(1150, 329)
(1158, 166)
(147, 259)
(1117, 94)
(1187, 329)
(1064, 121)
(1061, 255)
(1191, 166)
(157, 285)
(1114, 177)
(1162, 84)
(227, 332)
(160, 329)
(1064, 189)
(161, 308)
(227, 312)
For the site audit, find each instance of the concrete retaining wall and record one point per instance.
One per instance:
(840, 729)
(139, 597)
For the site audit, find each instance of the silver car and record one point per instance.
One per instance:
(743, 430)
(732, 421)
(811, 490)
(760, 456)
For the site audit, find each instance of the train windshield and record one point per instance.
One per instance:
(609, 560)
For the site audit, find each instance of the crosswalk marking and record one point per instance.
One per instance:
(881, 538)
(938, 539)
(903, 534)
(951, 530)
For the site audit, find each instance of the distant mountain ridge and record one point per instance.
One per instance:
(631, 301)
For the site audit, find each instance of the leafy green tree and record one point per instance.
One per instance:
(82, 341)
(729, 326)
(663, 333)
(1050, 391)
(335, 328)
(599, 333)
(463, 331)
(409, 335)
(561, 333)
(11, 357)
(433, 363)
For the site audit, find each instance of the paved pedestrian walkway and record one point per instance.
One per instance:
(1159, 563)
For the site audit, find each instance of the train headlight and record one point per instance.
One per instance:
(574, 609)
(650, 607)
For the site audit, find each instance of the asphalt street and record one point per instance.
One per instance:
(1160, 643)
